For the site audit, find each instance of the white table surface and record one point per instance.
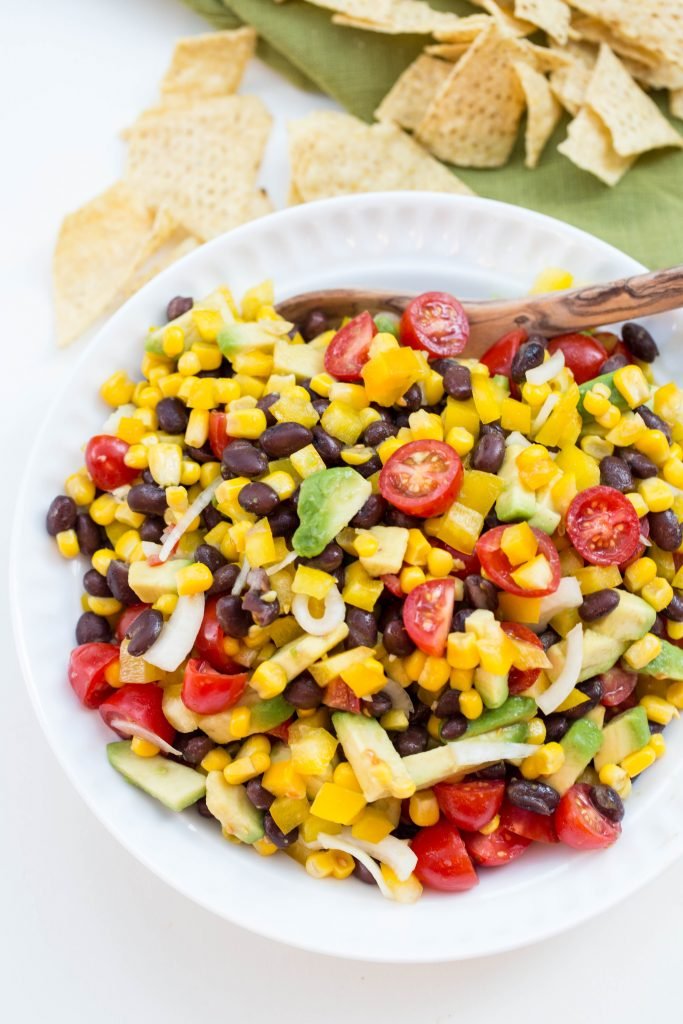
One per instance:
(86, 933)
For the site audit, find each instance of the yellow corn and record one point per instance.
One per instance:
(130, 429)
(597, 447)
(269, 679)
(321, 384)
(643, 651)
(656, 494)
(104, 605)
(674, 694)
(342, 421)
(673, 473)
(345, 776)
(216, 760)
(166, 604)
(101, 558)
(471, 704)
(117, 389)
(593, 578)
(242, 769)
(193, 579)
(149, 419)
(461, 440)
(282, 483)
(535, 394)
(80, 488)
(637, 762)
(631, 385)
(639, 574)
(435, 674)
(249, 423)
(136, 457)
(188, 364)
(610, 419)
(658, 593)
(658, 745)
(365, 544)
(462, 651)
(143, 748)
(549, 758)
(338, 804)
(595, 403)
(264, 847)
(536, 731)
(658, 709)
(675, 630)
(654, 444)
(307, 461)
(414, 664)
(614, 776)
(536, 468)
(103, 510)
(439, 562)
(423, 808)
(67, 543)
(411, 577)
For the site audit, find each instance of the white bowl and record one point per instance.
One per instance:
(407, 242)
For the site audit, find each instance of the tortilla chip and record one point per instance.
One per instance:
(473, 119)
(551, 15)
(447, 51)
(393, 17)
(589, 146)
(633, 120)
(170, 254)
(98, 248)
(656, 25)
(411, 94)
(502, 12)
(594, 31)
(201, 161)
(543, 58)
(208, 65)
(335, 154)
(663, 76)
(570, 83)
(543, 111)
(676, 103)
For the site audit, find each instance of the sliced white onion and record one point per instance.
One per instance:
(646, 541)
(197, 506)
(238, 585)
(471, 753)
(393, 852)
(149, 548)
(326, 842)
(516, 438)
(120, 494)
(125, 728)
(569, 675)
(333, 616)
(568, 595)
(544, 412)
(178, 635)
(546, 371)
(111, 424)
(287, 560)
(400, 699)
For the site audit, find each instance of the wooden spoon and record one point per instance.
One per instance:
(554, 313)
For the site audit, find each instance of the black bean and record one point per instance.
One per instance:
(232, 618)
(488, 454)
(328, 448)
(529, 355)
(172, 416)
(614, 362)
(665, 530)
(457, 381)
(177, 306)
(201, 455)
(284, 520)
(592, 688)
(378, 705)
(598, 604)
(117, 579)
(413, 398)
(279, 838)
(362, 874)
(639, 464)
(258, 498)
(493, 428)
(329, 559)
(339, 577)
(454, 727)
(92, 628)
(448, 704)
(658, 627)
(143, 631)
(152, 529)
(674, 609)
(460, 618)
(615, 473)
(320, 404)
(481, 593)
(242, 458)
(210, 557)
(258, 795)
(412, 741)
(492, 771)
(95, 583)
(655, 728)
(203, 808)
(362, 628)
(263, 612)
(556, 725)
(148, 499)
(402, 419)
(370, 466)
(90, 535)
(303, 692)
(379, 431)
(549, 637)
(639, 341)
(653, 421)
(224, 578)
(314, 324)
(396, 639)
(370, 514)
(405, 830)
(607, 801)
(394, 517)
(284, 439)
(421, 713)
(538, 797)
(61, 515)
(194, 746)
(264, 405)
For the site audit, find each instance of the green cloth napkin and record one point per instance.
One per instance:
(643, 214)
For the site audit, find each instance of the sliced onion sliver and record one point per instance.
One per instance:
(178, 635)
(400, 699)
(126, 728)
(333, 616)
(544, 412)
(238, 585)
(546, 371)
(472, 753)
(516, 438)
(197, 506)
(568, 595)
(287, 560)
(335, 843)
(393, 852)
(111, 424)
(150, 548)
(568, 677)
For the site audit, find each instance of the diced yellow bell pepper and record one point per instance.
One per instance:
(335, 803)
(460, 414)
(584, 468)
(519, 609)
(515, 415)
(342, 421)
(460, 527)
(480, 490)
(388, 376)
(364, 678)
(259, 547)
(593, 578)
(360, 589)
(519, 543)
(487, 397)
(312, 582)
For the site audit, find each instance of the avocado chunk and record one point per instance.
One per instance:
(264, 715)
(492, 689)
(238, 337)
(667, 664)
(630, 620)
(387, 323)
(174, 785)
(616, 398)
(151, 581)
(304, 650)
(303, 361)
(233, 808)
(580, 744)
(600, 653)
(328, 501)
(435, 765)
(515, 501)
(373, 757)
(515, 709)
(625, 734)
(546, 517)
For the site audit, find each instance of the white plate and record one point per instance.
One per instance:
(407, 242)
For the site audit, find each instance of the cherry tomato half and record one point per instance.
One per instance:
(127, 618)
(348, 351)
(539, 828)
(427, 615)
(499, 357)
(496, 849)
(470, 563)
(497, 566)
(393, 584)
(140, 704)
(442, 861)
(209, 641)
(580, 824)
(218, 434)
(617, 685)
(422, 478)
(470, 805)
(207, 692)
(521, 679)
(104, 455)
(583, 354)
(640, 549)
(603, 526)
(340, 696)
(437, 323)
(87, 665)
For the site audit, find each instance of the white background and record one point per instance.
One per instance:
(86, 933)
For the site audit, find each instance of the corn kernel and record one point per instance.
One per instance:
(439, 562)
(535, 394)
(148, 418)
(117, 389)
(658, 710)
(307, 461)
(269, 679)
(536, 731)
(642, 652)
(494, 823)
(282, 483)
(365, 544)
(435, 674)
(656, 494)
(471, 704)
(193, 579)
(189, 364)
(136, 457)
(462, 678)
(249, 423)
(597, 447)
(345, 776)
(637, 762)
(595, 403)
(461, 440)
(128, 546)
(658, 745)
(423, 808)
(241, 770)
(654, 444)
(549, 758)
(631, 385)
(67, 543)
(197, 431)
(80, 488)
(166, 604)
(610, 419)
(143, 748)
(638, 503)
(614, 776)
(639, 574)
(530, 767)
(264, 847)
(103, 510)
(411, 577)
(104, 605)
(674, 694)
(216, 760)
(658, 593)
(101, 558)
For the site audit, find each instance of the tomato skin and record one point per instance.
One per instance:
(349, 350)
(436, 323)
(87, 664)
(210, 639)
(339, 695)
(497, 565)
(617, 685)
(581, 825)
(281, 731)
(470, 805)
(603, 526)
(521, 679)
(393, 584)
(539, 828)
(499, 357)
(497, 849)
(471, 566)
(427, 615)
(218, 435)
(442, 860)
(140, 704)
(127, 618)
(583, 354)
(207, 692)
(104, 456)
(422, 478)
(640, 549)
